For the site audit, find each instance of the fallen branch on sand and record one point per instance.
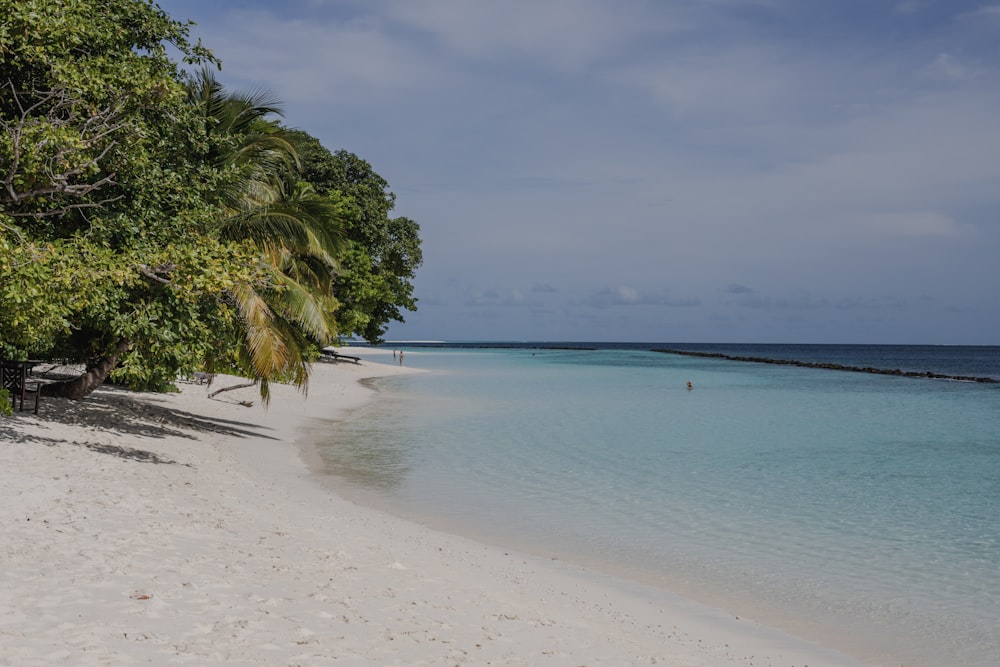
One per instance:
(243, 385)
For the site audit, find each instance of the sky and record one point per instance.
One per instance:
(771, 171)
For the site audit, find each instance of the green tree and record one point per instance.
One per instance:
(152, 223)
(105, 208)
(375, 281)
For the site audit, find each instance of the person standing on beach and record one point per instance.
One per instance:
(400, 357)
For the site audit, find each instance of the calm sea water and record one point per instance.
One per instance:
(860, 511)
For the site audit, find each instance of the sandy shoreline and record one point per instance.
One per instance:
(174, 529)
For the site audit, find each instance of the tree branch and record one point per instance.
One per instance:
(88, 137)
(157, 272)
(65, 209)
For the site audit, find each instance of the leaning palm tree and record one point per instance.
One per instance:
(295, 230)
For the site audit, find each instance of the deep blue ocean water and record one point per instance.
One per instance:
(861, 511)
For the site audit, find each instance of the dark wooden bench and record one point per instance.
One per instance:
(15, 377)
(336, 356)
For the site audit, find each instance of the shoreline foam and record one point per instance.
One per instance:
(177, 529)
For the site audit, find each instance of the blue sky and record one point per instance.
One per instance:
(674, 170)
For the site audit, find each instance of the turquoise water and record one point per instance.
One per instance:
(859, 511)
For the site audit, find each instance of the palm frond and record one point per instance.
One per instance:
(301, 305)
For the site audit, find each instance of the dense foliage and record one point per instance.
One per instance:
(382, 253)
(153, 224)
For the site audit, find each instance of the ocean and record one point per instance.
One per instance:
(858, 510)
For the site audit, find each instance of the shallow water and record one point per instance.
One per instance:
(836, 505)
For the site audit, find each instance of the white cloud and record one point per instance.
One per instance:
(324, 62)
(624, 295)
(988, 12)
(948, 67)
(916, 223)
(562, 34)
(742, 82)
(911, 6)
(496, 298)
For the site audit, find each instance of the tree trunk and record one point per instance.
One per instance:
(91, 379)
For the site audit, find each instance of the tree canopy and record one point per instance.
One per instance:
(153, 224)
(382, 254)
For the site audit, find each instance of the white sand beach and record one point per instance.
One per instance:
(177, 529)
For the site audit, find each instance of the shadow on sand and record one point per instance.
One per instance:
(116, 410)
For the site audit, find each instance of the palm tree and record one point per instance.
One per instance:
(296, 231)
